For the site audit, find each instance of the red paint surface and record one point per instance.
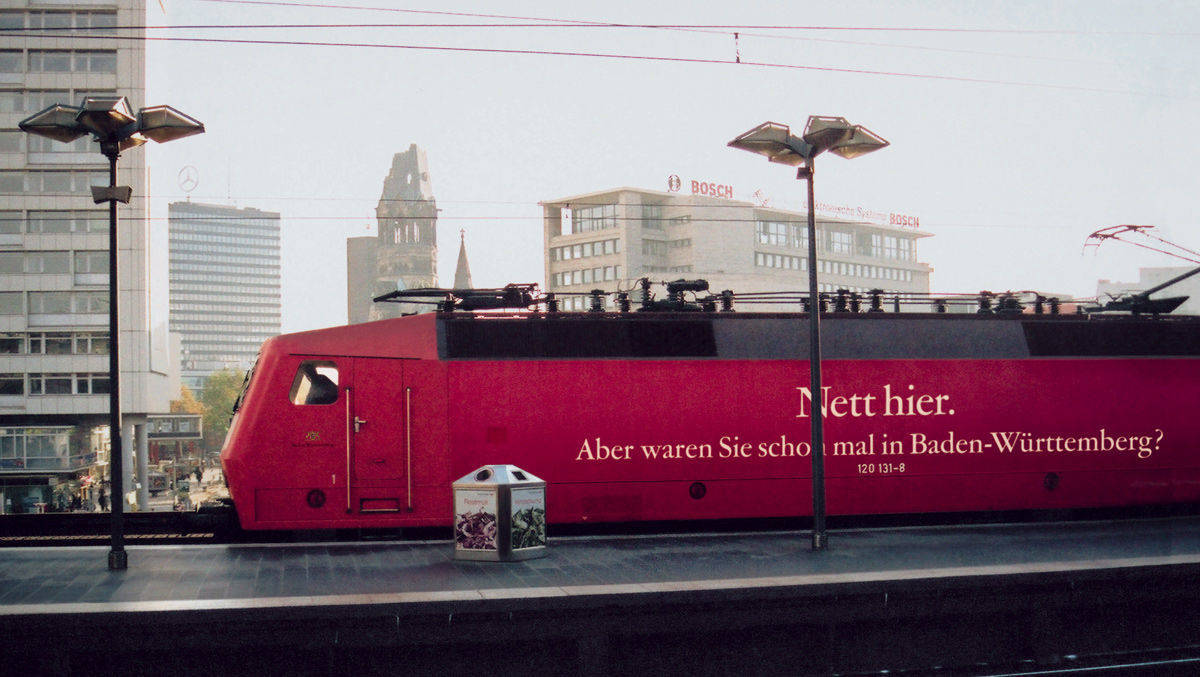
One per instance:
(624, 439)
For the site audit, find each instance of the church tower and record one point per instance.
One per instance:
(403, 255)
(462, 272)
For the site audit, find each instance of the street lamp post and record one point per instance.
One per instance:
(113, 125)
(777, 143)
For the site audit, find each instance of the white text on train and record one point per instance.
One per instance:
(908, 403)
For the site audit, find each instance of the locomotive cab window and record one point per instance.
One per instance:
(316, 382)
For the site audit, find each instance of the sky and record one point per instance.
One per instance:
(1016, 128)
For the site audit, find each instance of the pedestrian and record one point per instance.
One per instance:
(199, 475)
(103, 500)
(76, 502)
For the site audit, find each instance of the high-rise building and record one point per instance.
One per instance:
(609, 239)
(225, 285)
(403, 255)
(54, 340)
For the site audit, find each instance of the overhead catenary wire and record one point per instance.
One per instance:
(714, 29)
(812, 27)
(609, 55)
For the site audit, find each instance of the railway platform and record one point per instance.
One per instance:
(980, 598)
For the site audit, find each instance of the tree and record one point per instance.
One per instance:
(187, 403)
(220, 390)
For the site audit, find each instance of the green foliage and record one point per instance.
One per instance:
(187, 403)
(220, 390)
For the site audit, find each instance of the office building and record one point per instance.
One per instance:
(224, 284)
(609, 239)
(54, 340)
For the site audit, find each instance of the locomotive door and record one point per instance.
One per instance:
(379, 445)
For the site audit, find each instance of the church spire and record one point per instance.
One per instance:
(462, 273)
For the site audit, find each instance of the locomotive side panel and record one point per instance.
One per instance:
(631, 440)
(340, 442)
(688, 434)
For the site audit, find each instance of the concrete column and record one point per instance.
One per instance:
(143, 466)
(129, 451)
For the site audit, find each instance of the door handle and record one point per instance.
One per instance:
(358, 422)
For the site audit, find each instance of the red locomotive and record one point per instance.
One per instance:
(684, 412)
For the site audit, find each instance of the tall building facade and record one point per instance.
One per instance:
(54, 254)
(403, 255)
(608, 239)
(225, 285)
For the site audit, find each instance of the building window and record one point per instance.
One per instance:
(652, 216)
(50, 384)
(654, 248)
(39, 182)
(38, 144)
(68, 302)
(773, 232)
(91, 384)
(91, 344)
(890, 245)
(10, 223)
(49, 302)
(599, 217)
(585, 249)
(10, 61)
(91, 262)
(45, 61)
(12, 343)
(68, 221)
(66, 61)
(12, 384)
(50, 343)
(91, 302)
(10, 141)
(47, 262)
(783, 261)
(12, 263)
(841, 242)
(10, 303)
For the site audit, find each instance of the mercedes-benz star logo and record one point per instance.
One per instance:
(189, 178)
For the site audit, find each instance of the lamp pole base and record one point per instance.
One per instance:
(819, 542)
(118, 560)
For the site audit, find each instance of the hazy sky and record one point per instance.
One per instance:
(1017, 128)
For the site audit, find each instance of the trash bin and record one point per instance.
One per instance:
(499, 515)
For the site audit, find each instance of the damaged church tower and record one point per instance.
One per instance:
(404, 253)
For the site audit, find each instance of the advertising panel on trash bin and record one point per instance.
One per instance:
(528, 518)
(475, 519)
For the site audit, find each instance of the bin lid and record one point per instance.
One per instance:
(497, 475)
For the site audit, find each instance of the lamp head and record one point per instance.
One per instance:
(56, 122)
(859, 141)
(163, 123)
(109, 118)
(822, 133)
(776, 142)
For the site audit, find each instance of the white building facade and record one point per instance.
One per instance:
(609, 239)
(225, 285)
(54, 255)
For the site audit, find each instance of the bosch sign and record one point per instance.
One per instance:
(711, 189)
